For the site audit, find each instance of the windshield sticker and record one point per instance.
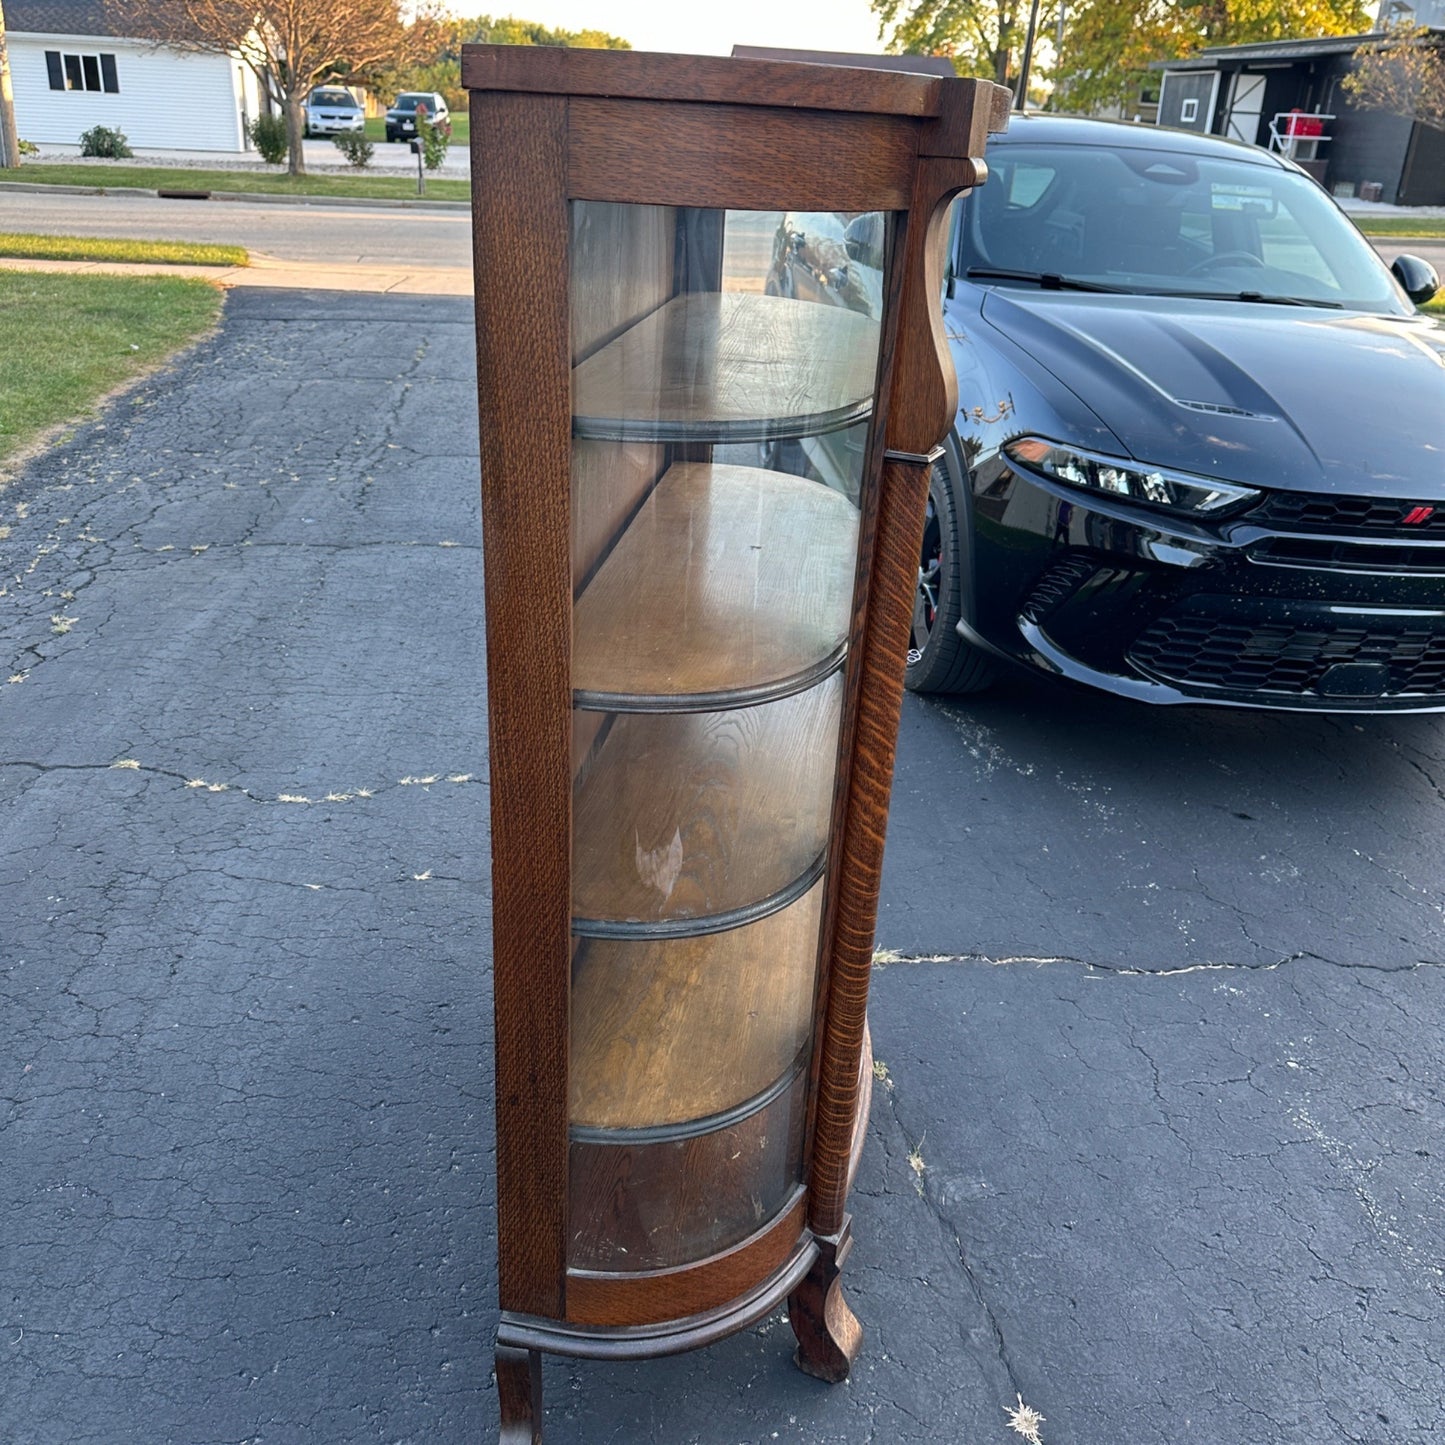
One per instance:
(1241, 198)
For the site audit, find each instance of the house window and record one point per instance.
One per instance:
(1189, 111)
(81, 72)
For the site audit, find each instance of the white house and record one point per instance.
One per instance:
(71, 71)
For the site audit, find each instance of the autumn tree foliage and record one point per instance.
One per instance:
(291, 45)
(981, 37)
(441, 68)
(1108, 45)
(1105, 45)
(1403, 73)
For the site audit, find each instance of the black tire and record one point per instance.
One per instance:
(939, 660)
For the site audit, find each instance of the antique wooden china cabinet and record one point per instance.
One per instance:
(711, 381)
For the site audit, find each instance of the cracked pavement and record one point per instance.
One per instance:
(1155, 1137)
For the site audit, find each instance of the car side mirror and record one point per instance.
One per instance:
(1417, 277)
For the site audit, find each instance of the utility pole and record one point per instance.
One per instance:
(1022, 98)
(9, 139)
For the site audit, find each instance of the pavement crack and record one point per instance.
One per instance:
(913, 1154)
(884, 958)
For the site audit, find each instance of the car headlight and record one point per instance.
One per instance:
(1118, 477)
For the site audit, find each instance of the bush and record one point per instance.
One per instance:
(355, 147)
(268, 135)
(435, 137)
(28, 147)
(109, 144)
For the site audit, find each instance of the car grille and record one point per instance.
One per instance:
(1427, 560)
(1384, 659)
(1382, 517)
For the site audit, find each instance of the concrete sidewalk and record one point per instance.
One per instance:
(283, 275)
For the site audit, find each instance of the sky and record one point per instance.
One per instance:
(706, 27)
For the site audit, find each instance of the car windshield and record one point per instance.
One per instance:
(410, 102)
(333, 97)
(1154, 222)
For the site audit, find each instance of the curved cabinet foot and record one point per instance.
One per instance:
(519, 1394)
(829, 1335)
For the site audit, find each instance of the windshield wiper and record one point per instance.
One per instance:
(1046, 280)
(1258, 297)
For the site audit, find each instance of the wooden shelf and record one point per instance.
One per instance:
(731, 583)
(682, 818)
(728, 366)
(666, 1031)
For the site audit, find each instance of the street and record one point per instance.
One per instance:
(1157, 1013)
(359, 235)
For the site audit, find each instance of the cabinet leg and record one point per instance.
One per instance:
(829, 1335)
(519, 1394)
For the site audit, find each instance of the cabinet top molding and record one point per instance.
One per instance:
(730, 80)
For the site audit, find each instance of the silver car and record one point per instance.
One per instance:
(333, 110)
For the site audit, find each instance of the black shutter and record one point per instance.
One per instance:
(107, 74)
(55, 70)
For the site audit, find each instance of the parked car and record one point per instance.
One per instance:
(401, 118)
(1198, 455)
(333, 110)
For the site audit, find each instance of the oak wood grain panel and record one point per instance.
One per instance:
(683, 815)
(554, 70)
(519, 231)
(728, 578)
(730, 366)
(666, 1030)
(915, 414)
(902, 501)
(652, 1206)
(739, 157)
(618, 1300)
(622, 268)
(609, 482)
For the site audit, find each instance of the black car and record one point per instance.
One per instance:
(1200, 451)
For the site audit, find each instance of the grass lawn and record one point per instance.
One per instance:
(72, 339)
(277, 182)
(1426, 228)
(97, 248)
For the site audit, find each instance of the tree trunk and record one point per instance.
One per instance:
(295, 131)
(9, 139)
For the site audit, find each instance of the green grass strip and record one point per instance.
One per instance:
(99, 248)
(271, 183)
(73, 338)
(1424, 228)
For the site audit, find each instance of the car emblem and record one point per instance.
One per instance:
(1416, 515)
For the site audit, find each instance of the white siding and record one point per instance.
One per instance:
(167, 99)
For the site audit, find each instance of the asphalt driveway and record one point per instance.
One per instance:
(1156, 1139)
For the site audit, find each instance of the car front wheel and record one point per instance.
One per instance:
(939, 660)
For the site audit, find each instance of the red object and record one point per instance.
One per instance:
(1416, 515)
(1300, 124)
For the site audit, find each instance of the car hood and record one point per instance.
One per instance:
(1267, 396)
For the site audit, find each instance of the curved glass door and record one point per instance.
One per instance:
(724, 375)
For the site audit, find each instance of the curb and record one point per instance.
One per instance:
(383, 203)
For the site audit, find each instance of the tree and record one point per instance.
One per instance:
(291, 45)
(1403, 73)
(980, 37)
(1109, 44)
(441, 67)
(9, 140)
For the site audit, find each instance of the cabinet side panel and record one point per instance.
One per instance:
(519, 229)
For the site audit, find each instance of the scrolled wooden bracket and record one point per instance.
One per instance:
(828, 1333)
(519, 1395)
